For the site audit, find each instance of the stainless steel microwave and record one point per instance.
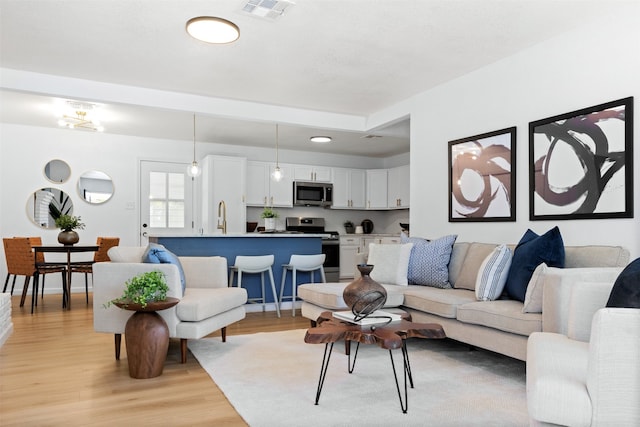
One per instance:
(312, 193)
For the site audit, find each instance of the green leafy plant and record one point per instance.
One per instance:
(69, 222)
(348, 224)
(143, 289)
(268, 212)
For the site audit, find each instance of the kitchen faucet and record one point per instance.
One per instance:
(222, 207)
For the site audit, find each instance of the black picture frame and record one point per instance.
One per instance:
(581, 163)
(482, 177)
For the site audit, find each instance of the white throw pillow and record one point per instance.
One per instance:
(493, 273)
(390, 263)
(533, 297)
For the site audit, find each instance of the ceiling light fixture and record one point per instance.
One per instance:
(81, 120)
(277, 173)
(320, 139)
(194, 170)
(210, 29)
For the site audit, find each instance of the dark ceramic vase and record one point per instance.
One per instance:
(364, 295)
(68, 238)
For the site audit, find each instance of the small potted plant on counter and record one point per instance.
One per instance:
(269, 216)
(348, 227)
(68, 224)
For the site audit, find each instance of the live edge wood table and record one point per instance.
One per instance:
(147, 338)
(390, 336)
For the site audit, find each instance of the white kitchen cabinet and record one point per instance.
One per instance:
(376, 189)
(348, 188)
(350, 247)
(398, 187)
(262, 190)
(312, 173)
(224, 179)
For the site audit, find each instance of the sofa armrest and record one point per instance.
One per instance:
(557, 288)
(108, 283)
(613, 378)
(586, 298)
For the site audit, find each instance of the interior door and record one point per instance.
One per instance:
(166, 200)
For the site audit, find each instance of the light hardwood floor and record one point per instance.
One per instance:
(56, 371)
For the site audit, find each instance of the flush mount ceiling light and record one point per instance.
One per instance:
(210, 29)
(320, 139)
(80, 118)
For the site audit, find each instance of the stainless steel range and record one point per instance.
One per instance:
(330, 242)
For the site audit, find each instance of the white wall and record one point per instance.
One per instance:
(594, 65)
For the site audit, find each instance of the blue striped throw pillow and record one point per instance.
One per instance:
(493, 273)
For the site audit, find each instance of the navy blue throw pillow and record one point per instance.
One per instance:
(626, 289)
(531, 251)
(158, 254)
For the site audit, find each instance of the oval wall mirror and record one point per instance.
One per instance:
(57, 171)
(95, 187)
(47, 204)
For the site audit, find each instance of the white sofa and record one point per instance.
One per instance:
(207, 305)
(500, 325)
(587, 374)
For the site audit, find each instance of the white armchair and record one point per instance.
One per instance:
(589, 373)
(207, 305)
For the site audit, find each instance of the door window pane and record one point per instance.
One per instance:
(166, 200)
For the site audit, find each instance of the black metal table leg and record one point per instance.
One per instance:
(350, 366)
(404, 405)
(323, 369)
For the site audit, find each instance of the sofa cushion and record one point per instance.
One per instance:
(458, 253)
(531, 251)
(126, 253)
(200, 303)
(476, 254)
(533, 297)
(158, 254)
(429, 262)
(493, 274)
(626, 289)
(441, 302)
(390, 263)
(329, 295)
(505, 315)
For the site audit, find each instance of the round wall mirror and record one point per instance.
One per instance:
(95, 187)
(57, 171)
(47, 204)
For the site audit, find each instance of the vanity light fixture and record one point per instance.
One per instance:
(276, 175)
(211, 29)
(194, 170)
(320, 139)
(81, 119)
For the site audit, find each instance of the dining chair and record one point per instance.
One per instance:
(104, 244)
(21, 261)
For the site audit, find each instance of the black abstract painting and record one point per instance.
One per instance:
(482, 177)
(581, 163)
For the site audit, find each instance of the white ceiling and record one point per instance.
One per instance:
(353, 57)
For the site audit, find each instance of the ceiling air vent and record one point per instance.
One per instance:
(269, 9)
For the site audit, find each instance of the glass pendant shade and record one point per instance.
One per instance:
(277, 174)
(194, 170)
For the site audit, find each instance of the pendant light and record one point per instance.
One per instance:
(194, 170)
(276, 175)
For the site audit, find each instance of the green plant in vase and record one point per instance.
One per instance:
(269, 216)
(143, 289)
(68, 224)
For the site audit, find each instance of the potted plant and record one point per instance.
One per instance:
(68, 224)
(143, 289)
(349, 227)
(269, 216)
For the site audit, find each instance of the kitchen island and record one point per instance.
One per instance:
(281, 245)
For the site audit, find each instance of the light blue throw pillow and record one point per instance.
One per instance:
(158, 254)
(429, 261)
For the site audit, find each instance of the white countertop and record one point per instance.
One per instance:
(259, 235)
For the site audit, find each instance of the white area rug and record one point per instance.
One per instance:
(271, 380)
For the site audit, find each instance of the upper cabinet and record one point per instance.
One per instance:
(398, 187)
(223, 193)
(376, 189)
(349, 188)
(312, 173)
(262, 190)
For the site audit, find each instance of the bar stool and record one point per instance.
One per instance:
(297, 263)
(253, 265)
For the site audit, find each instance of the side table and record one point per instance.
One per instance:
(147, 338)
(389, 336)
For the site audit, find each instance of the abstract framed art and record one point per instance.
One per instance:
(581, 163)
(482, 177)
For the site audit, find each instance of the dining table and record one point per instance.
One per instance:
(68, 249)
